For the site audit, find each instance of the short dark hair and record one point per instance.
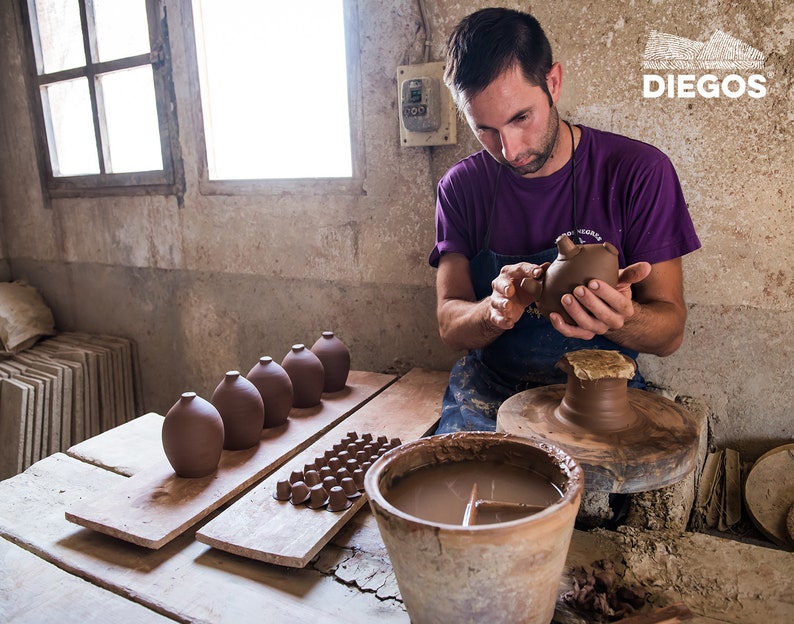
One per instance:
(490, 41)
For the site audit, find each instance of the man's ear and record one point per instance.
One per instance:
(554, 82)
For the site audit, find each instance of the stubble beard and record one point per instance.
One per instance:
(550, 140)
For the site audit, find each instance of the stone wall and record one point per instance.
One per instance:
(215, 283)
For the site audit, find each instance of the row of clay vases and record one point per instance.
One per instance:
(195, 431)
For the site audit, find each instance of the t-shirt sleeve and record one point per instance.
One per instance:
(456, 227)
(660, 227)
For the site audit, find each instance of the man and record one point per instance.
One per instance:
(500, 211)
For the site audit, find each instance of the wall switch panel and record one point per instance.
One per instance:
(427, 113)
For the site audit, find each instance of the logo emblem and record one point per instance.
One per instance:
(721, 53)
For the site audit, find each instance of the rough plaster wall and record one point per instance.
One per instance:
(222, 280)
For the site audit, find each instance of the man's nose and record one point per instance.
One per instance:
(511, 143)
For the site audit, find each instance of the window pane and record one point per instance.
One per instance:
(274, 88)
(121, 28)
(131, 117)
(71, 130)
(60, 34)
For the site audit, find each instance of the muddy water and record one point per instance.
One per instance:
(440, 493)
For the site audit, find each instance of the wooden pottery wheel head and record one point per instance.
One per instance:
(596, 393)
(625, 439)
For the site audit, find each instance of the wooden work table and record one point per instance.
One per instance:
(54, 570)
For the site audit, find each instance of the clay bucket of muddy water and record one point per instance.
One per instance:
(477, 525)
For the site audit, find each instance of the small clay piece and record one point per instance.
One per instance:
(329, 482)
(318, 497)
(349, 487)
(326, 471)
(335, 358)
(283, 490)
(319, 462)
(352, 449)
(358, 478)
(300, 493)
(334, 464)
(312, 478)
(309, 466)
(362, 456)
(596, 393)
(307, 374)
(575, 265)
(337, 500)
(351, 465)
(367, 437)
(382, 440)
(275, 388)
(329, 454)
(342, 473)
(243, 412)
(192, 436)
(366, 466)
(351, 435)
(295, 476)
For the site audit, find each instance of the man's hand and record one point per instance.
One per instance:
(509, 299)
(597, 307)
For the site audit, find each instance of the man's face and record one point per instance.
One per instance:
(516, 123)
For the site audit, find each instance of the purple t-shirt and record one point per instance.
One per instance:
(627, 193)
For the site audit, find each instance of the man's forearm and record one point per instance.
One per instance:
(655, 327)
(467, 325)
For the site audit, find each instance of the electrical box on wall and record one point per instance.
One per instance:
(427, 113)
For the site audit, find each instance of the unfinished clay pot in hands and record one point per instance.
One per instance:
(575, 265)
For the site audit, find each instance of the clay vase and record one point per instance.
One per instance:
(243, 412)
(193, 436)
(335, 357)
(307, 374)
(275, 388)
(575, 265)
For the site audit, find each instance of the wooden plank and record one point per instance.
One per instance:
(76, 362)
(292, 535)
(13, 422)
(185, 580)
(38, 422)
(154, 506)
(49, 434)
(127, 449)
(56, 376)
(89, 359)
(34, 591)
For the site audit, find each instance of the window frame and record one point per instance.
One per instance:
(169, 180)
(353, 185)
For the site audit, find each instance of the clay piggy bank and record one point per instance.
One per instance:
(575, 265)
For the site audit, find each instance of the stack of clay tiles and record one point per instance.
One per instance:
(61, 391)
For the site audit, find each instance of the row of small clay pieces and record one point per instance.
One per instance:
(334, 474)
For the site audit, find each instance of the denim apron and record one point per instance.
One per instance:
(521, 358)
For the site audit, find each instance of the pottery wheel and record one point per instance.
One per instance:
(769, 493)
(659, 449)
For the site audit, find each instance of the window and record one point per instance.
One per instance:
(275, 83)
(101, 91)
